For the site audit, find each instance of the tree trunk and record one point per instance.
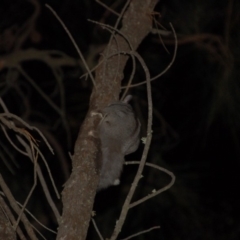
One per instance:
(80, 189)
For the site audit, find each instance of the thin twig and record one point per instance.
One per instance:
(11, 142)
(128, 199)
(140, 233)
(48, 195)
(49, 173)
(153, 194)
(108, 8)
(38, 169)
(40, 91)
(8, 114)
(41, 224)
(159, 35)
(41, 178)
(38, 232)
(73, 42)
(97, 230)
(43, 182)
(130, 79)
(166, 69)
(11, 217)
(31, 128)
(131, 76)
(34, 159)
(112, 30)
(113, 35)
(16, 208)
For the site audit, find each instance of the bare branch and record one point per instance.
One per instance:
(12, 126)
(113, 36)
(166, 69)
(12, 218)
(40, 91)
(154, 193)
(107, 57)
(108, 8)
(42, 180)
(10, 141)
(30, 153)
(73, 42)
(6, 230)
(47, 194)
(15, 207)
(97, 230)
(128, 199)
(141, 232)
(41, 224)
(81, 187)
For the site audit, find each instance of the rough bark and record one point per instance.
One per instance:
(79, 192)
(6, 229)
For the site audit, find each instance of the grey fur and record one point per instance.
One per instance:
(119, 134)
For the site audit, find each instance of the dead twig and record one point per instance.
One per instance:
(108, 8)
(41, 224)
(97, 230)
(31, 151)
(166, 69)
(154, 192)
(141, 232)
(8, 212)
(16, 208)
(73, 42)
(128, 199)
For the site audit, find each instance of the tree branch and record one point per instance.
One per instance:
(79, 192)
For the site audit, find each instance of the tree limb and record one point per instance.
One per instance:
(80, 189)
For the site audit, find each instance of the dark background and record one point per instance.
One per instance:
(196, 112)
